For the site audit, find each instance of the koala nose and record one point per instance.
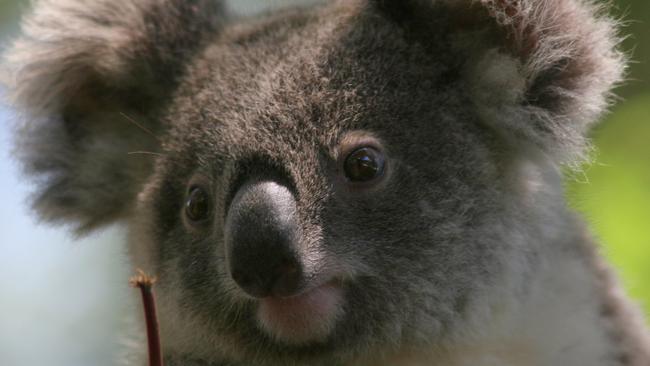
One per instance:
(260, 236)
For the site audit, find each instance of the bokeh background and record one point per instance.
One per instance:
(63, 301)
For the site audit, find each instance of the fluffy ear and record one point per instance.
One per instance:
(539, 71)
(89, 78)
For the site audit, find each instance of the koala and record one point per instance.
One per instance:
(361, 182)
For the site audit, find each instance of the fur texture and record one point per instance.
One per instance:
(92, 75)
(463, 254)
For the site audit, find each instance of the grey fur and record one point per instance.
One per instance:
(476, 103)
(91, 74)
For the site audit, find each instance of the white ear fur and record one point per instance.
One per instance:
(542, 70)
(87, 77)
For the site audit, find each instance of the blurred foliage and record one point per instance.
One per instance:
(613, 192)
(635, 18)
(9, 12)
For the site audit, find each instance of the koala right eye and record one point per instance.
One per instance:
(197, 205)
(364, 165)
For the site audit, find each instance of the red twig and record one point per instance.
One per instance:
(145, 284)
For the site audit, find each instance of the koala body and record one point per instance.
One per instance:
(357, 183)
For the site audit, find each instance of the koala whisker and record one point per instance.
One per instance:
(139, 125)
(144, 153)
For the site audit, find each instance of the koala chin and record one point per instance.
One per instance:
(362, 182)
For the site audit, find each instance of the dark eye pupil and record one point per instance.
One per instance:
(364, 164)
(197, 206)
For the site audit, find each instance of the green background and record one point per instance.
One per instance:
(613, 191)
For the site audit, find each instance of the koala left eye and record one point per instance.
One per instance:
(197, 205)
(364, 165)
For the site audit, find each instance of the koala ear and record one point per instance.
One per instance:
(90, 78)
(539, 71)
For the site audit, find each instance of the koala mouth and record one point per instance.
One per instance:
(307, 317)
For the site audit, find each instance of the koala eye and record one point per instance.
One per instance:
(363, 165)
(197, 205)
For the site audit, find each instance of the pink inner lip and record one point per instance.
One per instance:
(310, 316)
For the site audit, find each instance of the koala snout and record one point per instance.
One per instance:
(261, 236)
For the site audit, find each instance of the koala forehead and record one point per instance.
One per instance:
(298, 82)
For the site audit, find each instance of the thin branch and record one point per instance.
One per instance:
(145, 283)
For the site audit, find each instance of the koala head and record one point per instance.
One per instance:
(315, 184)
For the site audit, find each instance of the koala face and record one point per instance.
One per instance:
(318, 184)
(288, 204)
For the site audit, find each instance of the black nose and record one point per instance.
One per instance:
(261, 234)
